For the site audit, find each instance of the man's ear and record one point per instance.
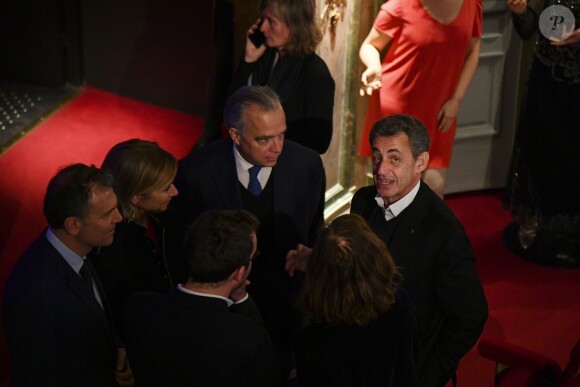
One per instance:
(234, 135)
(422, 161)
(238, 274)
(72, 225)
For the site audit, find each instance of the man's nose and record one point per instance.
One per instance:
(277, 145)
(118, 217)
(382, 168)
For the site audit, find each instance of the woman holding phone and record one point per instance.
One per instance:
(285, 60)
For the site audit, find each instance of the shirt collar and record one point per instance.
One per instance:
(187, 291)
(241, 163)
(73, 259)
(242, 167)
(404, 202)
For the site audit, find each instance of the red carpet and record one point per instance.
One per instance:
(533, 306)
(530, 305)
(82, 131)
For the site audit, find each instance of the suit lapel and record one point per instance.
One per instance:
(283, 186)
(75, 283)
(225, 179)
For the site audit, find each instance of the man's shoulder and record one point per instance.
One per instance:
(177, 305)
(293, 148)
(35, 257)
(435, 208)
(36, 272)
(297, 155)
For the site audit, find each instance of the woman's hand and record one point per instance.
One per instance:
(573, 38)
(369, 54)
(371, 80)
(517, 6)
(447, 114)
(252, 52)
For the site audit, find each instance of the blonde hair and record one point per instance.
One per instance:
(139, 167)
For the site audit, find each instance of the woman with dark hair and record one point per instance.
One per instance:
(138, 259)
(363, 330)
(286, 62)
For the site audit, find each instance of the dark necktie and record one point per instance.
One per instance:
(254, 187)
(85, 273)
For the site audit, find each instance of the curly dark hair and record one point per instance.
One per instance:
(351, 277)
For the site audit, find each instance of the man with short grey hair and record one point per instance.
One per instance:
(280, 182)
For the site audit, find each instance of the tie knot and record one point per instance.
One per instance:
(255, 170)
(85, 272)
(254, 187)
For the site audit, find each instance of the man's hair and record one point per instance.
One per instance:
(69, 191)
(299, 16)
(243, 98)
(400, 123)
(351, 277)
(219, 242)
(139, 167)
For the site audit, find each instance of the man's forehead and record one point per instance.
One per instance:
(393, 143)
(265, 124)
(102, 198)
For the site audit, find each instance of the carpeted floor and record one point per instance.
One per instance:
(22, 106)
(530, 305)
(82, 131)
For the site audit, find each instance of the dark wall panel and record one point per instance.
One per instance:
(31, 42)
(156, 51)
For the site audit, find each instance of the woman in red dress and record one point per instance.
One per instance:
(432, 52)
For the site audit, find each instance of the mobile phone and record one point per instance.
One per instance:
(258, 38)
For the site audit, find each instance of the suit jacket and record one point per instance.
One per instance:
(179, 339)
(435, 258)
(57, 333)
(384, 353)
(207, 180)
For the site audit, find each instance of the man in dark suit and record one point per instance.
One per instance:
(428, 244)
(208, 331)
(279, 181)
(56, 318)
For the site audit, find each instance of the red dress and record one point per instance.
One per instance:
(421, 68)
